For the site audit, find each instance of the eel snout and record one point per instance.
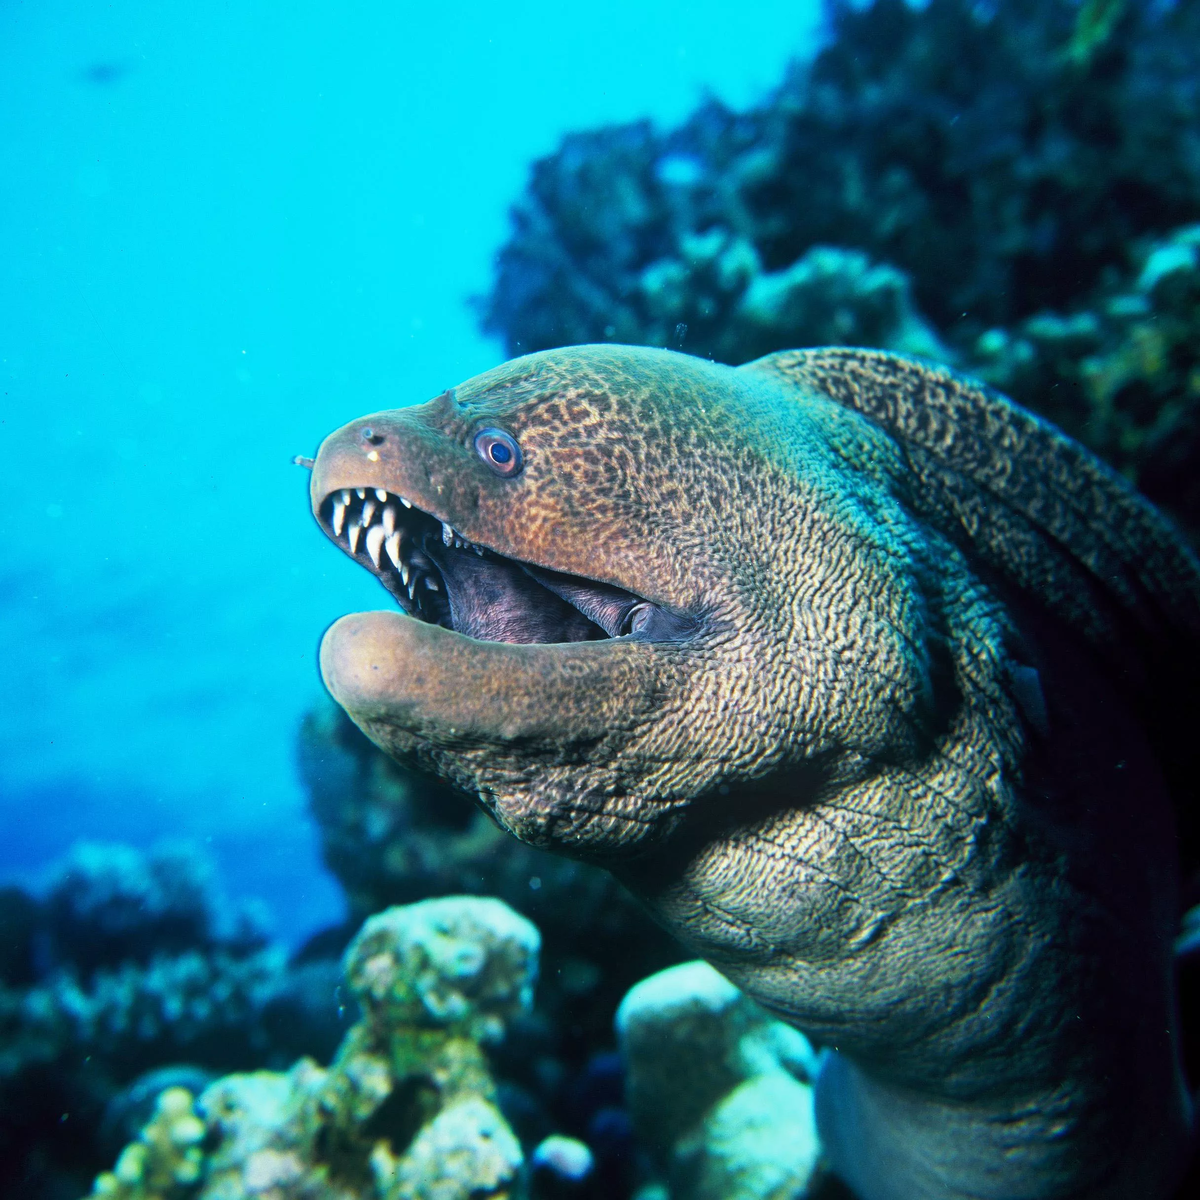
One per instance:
(492, 655)
(394, 494)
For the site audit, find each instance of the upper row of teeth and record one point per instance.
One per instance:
(385, 537)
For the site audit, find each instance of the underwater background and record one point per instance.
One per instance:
(226, 231)
(223, 234)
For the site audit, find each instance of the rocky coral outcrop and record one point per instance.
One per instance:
(829, 295)
(720, 1093)
(406, 1110)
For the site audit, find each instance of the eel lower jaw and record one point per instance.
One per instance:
(546, 736)
(411, 684)
(439, 577)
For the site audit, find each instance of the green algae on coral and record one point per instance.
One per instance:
(167, 1160)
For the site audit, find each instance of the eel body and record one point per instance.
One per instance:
(874, 687)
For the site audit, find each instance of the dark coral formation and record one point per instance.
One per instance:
(1006, 187)
(1122, 371)
(131, 975)
(109, 903)
(19, 919)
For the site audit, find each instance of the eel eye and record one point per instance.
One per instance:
(499, 450)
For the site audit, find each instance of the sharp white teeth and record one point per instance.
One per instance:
(354, 533)
(345, 496)
(478, 550)
(339, 518)
(368, 513)
(405, 502)
(361, 493)
(375, 536)
(412, 587)
(389, 520)
(447, 535)
(392, 546)
(381, 495)
(404, 573)
(431, 583)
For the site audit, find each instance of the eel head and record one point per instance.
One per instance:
(572, 544)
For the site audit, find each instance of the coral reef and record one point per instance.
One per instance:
(1013, 189)
(720, 1093)
(1120, 370)
(19, 919)
(406, 1111)
(166, 1160)
(1007, 187)
(829, 295)
(134, 973)
(109, 903)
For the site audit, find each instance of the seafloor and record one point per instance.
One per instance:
(1011, 188)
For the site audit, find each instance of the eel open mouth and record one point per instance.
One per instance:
(440, 577)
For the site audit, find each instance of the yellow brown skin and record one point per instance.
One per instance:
(889, 761)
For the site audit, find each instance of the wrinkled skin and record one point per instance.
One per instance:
(886, 732)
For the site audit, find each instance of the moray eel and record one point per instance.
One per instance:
(875, 688)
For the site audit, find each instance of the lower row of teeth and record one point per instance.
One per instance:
(385, 537)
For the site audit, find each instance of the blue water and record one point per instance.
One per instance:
(224, 230)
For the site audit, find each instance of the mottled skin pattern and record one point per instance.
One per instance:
(907, 776)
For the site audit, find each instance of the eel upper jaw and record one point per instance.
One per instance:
(438, 576)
